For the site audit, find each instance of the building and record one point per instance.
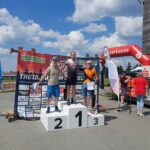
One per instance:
(9, 75)
(146, 27)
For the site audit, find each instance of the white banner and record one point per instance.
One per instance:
(113, 77)
(146, 71)
(106, 53)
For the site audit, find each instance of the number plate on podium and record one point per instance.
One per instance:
(54, 120)
(77, 115)
(95, 120)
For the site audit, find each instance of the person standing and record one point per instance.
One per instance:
(53, 72)
(123, 84)
(71, 68)
(141, 86)
(90, 79)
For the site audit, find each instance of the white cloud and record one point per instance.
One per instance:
(125, 27)
(26, 33)
(91, 10)
(129, 26)
(14, 30)
(73, 40)
(112, 40)
(4, 51)
(94, 28)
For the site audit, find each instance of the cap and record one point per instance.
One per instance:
(55, 58)
(89, 62)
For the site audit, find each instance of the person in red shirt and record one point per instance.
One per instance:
(141, 86)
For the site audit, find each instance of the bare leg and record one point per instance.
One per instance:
(122, 99)
(68, 94)
(73, 91)
(48, 102)
(72, 94)
(68, 91)
(85, 104)
(56, 101)
(48, 106)
(56, 105)
(91, 100)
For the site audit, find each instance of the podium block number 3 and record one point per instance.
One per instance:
(79, 116)
(95, 121)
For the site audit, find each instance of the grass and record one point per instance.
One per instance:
(106, 82)
(8, 80)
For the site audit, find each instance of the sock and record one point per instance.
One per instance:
(72, 100)
(56, 107)
(48, 109)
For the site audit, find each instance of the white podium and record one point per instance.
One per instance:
(77, 115)
(95, 119)
(72, 116)
(54, 120)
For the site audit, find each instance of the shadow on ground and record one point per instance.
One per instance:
(109, 118)
(147, 113)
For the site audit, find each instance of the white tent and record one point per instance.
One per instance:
(137, 69)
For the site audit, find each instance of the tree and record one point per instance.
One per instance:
(129, 67)
(120, 69)
(137, 65)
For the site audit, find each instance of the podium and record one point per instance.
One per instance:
(77, 115)
(70, 117)
(54, 120)
(95, 120)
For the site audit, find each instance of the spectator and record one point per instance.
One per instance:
(141, 85)
(123, 83)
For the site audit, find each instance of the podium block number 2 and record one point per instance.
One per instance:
(79, 116)
(58, 126)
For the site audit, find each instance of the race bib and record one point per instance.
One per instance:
(35, 87)
(90, 86)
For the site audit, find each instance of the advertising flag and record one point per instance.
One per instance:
(113, 77)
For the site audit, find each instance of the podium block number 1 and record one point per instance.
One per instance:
(79, 116)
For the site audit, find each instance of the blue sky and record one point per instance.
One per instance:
(59, 26)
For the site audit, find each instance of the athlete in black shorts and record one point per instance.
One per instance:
(71, 67)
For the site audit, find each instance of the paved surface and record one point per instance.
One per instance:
(123, 131)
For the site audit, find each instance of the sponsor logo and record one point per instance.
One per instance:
(146, 71)
(32, 59)
(138, 56)
(29, 77)
(119, 51)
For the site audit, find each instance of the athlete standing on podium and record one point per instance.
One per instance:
(53, 72)
(71, 68)
(89, 82)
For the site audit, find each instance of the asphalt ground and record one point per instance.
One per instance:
(123, 131)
